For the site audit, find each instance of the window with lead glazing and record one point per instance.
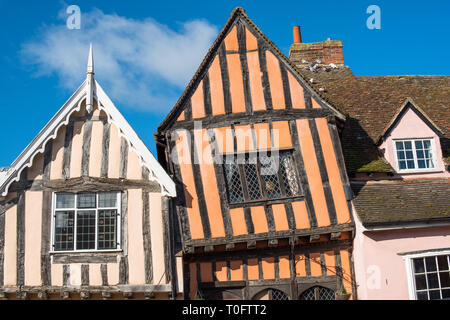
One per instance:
(86, 221)
(431, 277)
(414, 154)
(260, 176)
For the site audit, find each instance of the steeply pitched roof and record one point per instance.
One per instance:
(88, 90)
(402, 202)
(238, 13)
(371, 104)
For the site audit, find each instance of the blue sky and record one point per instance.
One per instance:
(145, 52)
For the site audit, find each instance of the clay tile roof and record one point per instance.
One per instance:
(371, 103)
(402, 202)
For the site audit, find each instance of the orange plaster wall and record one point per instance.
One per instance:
(181, 116)
(346, 271)
(250, 40)
(276, 85)
(187, 176)
(316, 269)
(298, 100)
(236, 83)
(330, 262)
(284, 267)
(300, 266)
(238, 221)
(221, 271)
(245, 138)
(281, 135)
(255, 76)
(253, 269)
(262, 133)
(268, 266)
(209, 183)
(259, 219)
(300, 215)
(334, 176)
(279, 215)
(313, 173)
(231, 42)
(315, 104)
(216, 88)
(236, 270)
(198, 102)
(224, 138)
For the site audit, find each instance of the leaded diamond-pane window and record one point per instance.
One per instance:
(86, 221)
(318, 293)
(261, 176)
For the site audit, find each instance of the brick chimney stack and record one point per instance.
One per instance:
(328, 51)
(297, 34)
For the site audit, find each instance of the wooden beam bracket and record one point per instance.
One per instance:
(85, 294)
(251, 244)
(272, 243)
(65, 295)
(128, 294)
(209, 248)
(149, 295)
(229, 246)
(314, 238)
(335, 235)
(43, 295)
(106, 295)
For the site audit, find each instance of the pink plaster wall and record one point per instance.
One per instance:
(411, 126)
(377, 252)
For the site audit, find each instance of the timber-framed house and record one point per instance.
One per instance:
(263, 205)
(84, 209)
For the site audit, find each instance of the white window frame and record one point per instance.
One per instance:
(416, 169)
(408, 258)
(75, 209)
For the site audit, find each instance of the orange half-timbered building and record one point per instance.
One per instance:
(263, 195)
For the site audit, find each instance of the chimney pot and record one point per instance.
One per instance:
(297, 34)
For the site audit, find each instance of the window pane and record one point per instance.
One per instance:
(107, 200)
(289, 174)
(63, 230)
(400, 155)
(399, 145)
(442, 263)
(418, 144)
(408, 145)
(402, 164)
(420, 154)
(421, 283)
(445, 279)
(427, 144)
(429, 163)
(86, 200)
(435, 294)
(409, 155)
(422, 295)
(107, 226)
(251, 174)
(431, 263)
(421, 164)
(410, 164)
(85, 230)
(234, 186)
(432, 280)
(65, 200)
(446, 294)
(418, 265)
(269, 175)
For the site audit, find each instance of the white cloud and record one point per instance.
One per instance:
(140, 63)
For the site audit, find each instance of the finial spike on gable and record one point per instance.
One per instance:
(90, 81)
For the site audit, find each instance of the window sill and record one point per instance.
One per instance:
(418, 171)
(86, 256)
(265, 202)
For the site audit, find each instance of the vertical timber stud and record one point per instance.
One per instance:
(87, 133)
(244, 66)
(207, 95)
(123, 264)
(66, 275)
(307, 96)
(298, 157)
(265, 76)
(217, 160)
(84, 274)
(67, 151)
(225, 78)
(188, 110)
(104, 273)
(339, 273)
(123, 158)
(146, 238)
(46, 232)
(105, 149)
(286, 87)
(47, 160)
(21, 239)
(199, 187)
(167, 238)
(323, 171)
